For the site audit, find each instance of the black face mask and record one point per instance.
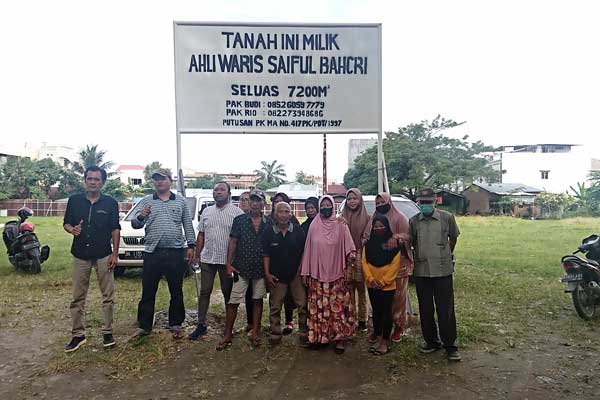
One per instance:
(382, 209)
(326, 212)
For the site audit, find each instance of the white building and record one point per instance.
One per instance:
(57, 153)
(130, 174)
(356, 147)
(551, 167)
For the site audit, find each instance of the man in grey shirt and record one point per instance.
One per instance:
(164, 214)
(213, 238)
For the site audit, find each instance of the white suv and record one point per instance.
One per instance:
(408, 207)
(131, 246)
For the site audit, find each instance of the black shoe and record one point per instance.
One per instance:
(362, 326)
(75, 343)
(108, 341)
(453, 355)
(427, 348)
(200, 330)
(289, 328)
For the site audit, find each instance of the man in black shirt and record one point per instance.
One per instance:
(245, 265)
(283, 244)
(93, 220)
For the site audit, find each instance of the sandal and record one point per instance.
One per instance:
(372, 338)
(223, 345)
(255, 341)
(340, 350)
(373, 348)
(379, 352)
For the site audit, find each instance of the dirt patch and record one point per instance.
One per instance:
(541, 367)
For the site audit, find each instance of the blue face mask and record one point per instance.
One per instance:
(426, 209)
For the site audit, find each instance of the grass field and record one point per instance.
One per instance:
(506, 288)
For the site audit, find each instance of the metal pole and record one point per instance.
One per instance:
(380, 133)
(324, 163)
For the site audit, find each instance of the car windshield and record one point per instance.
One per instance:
(191, 202)
(408, 208)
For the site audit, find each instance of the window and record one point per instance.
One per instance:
(544, 174)
(136, 181)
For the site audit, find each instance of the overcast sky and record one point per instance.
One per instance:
(73, 73)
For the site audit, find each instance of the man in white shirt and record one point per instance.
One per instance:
(213, 237)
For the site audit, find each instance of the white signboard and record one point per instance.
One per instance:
(277, 78)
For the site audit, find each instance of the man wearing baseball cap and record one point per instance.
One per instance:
(245, 265)
(164, 214)
(434, 234)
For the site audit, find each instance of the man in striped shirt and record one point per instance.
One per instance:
(164, 214)
(213, 238)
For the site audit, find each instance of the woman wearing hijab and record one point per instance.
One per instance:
(328, 252)
(356, 216)
(380, 265)
(400, 238)
(311, 206)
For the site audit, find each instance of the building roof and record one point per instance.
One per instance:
(130, 168)
(336, 188)
(513, 189)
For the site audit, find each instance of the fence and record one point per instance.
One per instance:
(45, 208)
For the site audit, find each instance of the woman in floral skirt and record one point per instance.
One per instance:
(328, 252)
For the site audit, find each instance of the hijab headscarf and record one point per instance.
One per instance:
(398, 224)
(398, 221)
(357, 219)
(376, 251)
(328, 243)
(306, 224)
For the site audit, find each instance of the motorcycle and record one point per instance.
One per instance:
(22, 244)
(583, 277)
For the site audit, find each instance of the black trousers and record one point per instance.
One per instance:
(170, 264)
(289, 306)
(382, 302)
(436, 295)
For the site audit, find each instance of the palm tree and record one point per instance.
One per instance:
(272, 174)
(89, 156)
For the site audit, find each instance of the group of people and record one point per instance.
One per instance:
(323, 268)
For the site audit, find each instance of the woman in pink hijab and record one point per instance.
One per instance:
(328, 252)
(399, 225)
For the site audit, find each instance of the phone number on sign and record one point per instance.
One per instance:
(297, 104)
(295, 113)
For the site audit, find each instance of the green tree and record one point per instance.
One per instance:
(89, 156)
(148, 169)
(116, 189)
(420, 155)
(270, 174)
(588, 198)
(202, 182)
(23, 178)
(304, 178)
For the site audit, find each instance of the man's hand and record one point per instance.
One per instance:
(271, 280)
(231, 270)
(145, 212)
(76, 230)
(113, 259)
(190, 255)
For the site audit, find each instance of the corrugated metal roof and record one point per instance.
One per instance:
(508, 188)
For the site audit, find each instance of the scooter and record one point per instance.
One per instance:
(22, 244)
(583, 277)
